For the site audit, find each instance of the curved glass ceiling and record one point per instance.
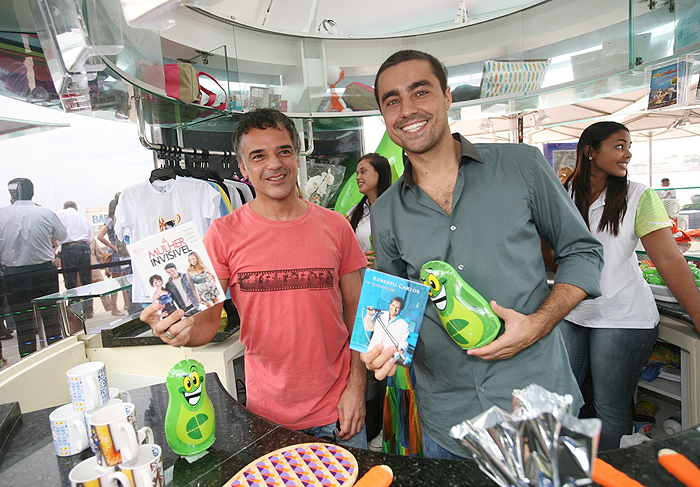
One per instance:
(361, 17)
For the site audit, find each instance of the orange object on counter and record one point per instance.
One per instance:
(378, 476)
(680, 467)
(608, 476)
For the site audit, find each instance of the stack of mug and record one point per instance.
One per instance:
(104, 419)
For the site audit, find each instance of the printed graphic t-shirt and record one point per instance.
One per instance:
(147, 208)
(284, 280)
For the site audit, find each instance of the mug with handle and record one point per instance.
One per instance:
(147, 469)
(115, 434)
(68, 430)
(115, 393)
(88, 415)
(89, 473)
(88, 385)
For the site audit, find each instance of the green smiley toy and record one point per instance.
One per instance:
(189, 420)
(464, 313)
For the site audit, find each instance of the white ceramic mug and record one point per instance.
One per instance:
(682, 221)
(88, 386)
(115, 393)
(89, 473)
(68, 430)
(672, 207)
(147, 469)
(114, 432)
(88, 415)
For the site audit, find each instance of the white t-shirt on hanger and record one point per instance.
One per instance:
(147, 208)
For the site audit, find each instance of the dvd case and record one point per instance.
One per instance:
(390, 312)
(175, 265)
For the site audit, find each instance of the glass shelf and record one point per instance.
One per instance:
(96, 290)
(602, 50)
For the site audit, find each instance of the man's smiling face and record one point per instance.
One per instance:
(413, 105)
(270, 161)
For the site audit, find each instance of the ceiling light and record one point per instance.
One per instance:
(329, 26)
(461, 13)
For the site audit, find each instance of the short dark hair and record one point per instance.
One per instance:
(70, 204)
(153, 278)
(665, 180)
(21, 189)
(263, 118)
(409, 55)
(170, 265)
(398, 300)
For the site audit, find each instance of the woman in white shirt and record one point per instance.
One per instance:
(373, 177)
(611, 336)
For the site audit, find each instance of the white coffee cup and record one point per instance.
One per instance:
(88, 385)
(88, 415)
(68, 430)
(114, 432)
(89, 472)
(682, 221)
(672, 207)
(115, 393)
(147, 469)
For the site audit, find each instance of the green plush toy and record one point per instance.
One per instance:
(189, 420)
(465, 315)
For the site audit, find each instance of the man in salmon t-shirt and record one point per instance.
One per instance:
(292, 268)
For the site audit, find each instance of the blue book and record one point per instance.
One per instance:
(390, 312)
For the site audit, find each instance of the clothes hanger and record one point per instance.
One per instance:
(211, 174)
(199, 172)
(178, 167)
(164, 172)
(226, 172)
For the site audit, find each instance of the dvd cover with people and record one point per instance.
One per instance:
(390, 312)
(175, 266)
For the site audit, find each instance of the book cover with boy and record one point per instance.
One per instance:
(390, 312)
(175, 266)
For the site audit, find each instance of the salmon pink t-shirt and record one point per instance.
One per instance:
(284, 280)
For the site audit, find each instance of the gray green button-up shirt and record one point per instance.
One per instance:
(505, 197)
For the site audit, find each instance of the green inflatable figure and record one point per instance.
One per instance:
(465, 314)
(189, 420)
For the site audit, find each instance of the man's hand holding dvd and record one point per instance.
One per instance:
(175, 265)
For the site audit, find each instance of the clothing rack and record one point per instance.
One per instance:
(141, 123)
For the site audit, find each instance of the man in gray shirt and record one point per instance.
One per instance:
(26, 254)
(482, 209)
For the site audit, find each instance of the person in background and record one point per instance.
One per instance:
(611, 336)
(116, 247)
(292, 268)
(563, 173)
(28, 233)
(666, 194)
(97, 255)
(444, 207)
(373, 176)
(75, 251)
